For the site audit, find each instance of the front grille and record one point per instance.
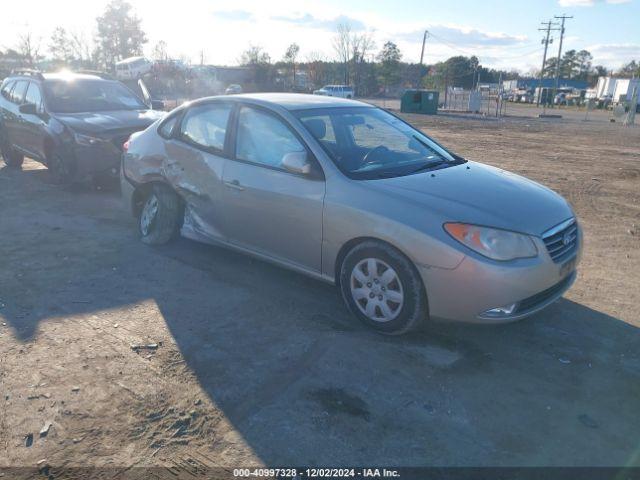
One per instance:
(539, 298)
(562, 240)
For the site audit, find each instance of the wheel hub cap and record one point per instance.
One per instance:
(376, 290)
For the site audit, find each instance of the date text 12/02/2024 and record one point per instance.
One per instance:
(316, 473)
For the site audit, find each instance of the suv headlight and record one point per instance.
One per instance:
(86, 140)
(493, 243)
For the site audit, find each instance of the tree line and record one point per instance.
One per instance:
(357, 61)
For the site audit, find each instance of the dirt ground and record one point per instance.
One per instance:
(250, 364)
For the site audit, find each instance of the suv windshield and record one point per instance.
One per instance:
(75, 96)
(368, 143)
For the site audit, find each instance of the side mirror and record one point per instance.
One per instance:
(28, 109)
(157, 105)
(296, 162)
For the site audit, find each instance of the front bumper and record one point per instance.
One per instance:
(478, 285)
(102, 159)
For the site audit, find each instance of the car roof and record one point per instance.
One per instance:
(71, 76)
(294, 101)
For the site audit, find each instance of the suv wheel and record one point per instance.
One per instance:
(161, 215)
(11, 158)
(382, 288)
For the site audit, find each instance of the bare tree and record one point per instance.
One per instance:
(160, 51)
(290, 57)
(361, 46)
(60, 46)
(80, 47)
(29, 48)
(315, 67)
(342, 44)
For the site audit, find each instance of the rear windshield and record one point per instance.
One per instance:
(75, 96)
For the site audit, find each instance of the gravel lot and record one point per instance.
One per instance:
(254, 365)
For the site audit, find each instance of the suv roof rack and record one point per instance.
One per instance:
(97, 73)
(28, 72)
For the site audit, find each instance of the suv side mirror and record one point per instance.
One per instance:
(296, 162)
(28, 109)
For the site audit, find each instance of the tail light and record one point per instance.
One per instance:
(125, 145)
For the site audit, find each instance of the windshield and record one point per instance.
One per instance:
(75, 96)
(368, 143)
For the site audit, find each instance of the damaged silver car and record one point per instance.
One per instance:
(352, 195)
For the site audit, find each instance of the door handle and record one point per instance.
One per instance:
(235, 184)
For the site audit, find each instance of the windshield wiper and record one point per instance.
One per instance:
(429, 166)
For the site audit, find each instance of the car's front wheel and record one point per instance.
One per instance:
(382, 288)
(160, 216)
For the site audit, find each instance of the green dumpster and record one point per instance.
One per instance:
(419, 101)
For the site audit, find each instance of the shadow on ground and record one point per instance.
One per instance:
(301, 382)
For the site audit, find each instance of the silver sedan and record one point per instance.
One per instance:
(352, 195)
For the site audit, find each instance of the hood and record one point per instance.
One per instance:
(483, 195)
(103, 122)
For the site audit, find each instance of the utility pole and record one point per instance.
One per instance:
(546, 41)
(555, 89)
(424, 40)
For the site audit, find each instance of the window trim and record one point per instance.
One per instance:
(317, 172)
(176, 132)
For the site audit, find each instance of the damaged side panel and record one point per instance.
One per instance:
(195, 175)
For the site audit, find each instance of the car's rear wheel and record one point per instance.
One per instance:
(383, 288)
(11, 158)
(160, 216)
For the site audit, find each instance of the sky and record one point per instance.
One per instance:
(501, 34)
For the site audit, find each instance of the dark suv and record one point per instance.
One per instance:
(73, 123)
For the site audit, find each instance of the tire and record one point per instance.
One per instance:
(395, 284)
(11, 158)
(62, 169)
(161, 215)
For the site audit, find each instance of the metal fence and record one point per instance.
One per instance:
(484, 101)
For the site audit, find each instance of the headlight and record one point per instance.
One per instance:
(86, 140)
(492, 242)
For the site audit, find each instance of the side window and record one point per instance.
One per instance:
(262, 138)
(6, 90)
(166, 128)
(18, 91)
(206, 126)
(34, 96)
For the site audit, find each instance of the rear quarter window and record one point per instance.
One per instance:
(6, 90)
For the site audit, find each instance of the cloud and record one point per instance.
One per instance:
(462, 37)
(309, 21)
(614, 54)
(588, 3)
(233, 15)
